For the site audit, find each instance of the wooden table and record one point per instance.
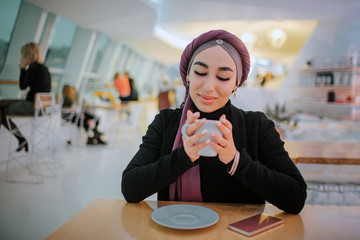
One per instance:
(109, 107)
(116, 219)
(324, 152)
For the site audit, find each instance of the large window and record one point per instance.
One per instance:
(61, 39)
(60, 43)
(100, 47)
(92, 75)
(8, 13)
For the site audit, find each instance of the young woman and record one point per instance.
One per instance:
(34, 75)
(89, 120)
(251, 165)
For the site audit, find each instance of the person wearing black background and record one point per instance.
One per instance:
(35, 75)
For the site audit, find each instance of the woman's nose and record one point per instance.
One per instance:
(210, 83)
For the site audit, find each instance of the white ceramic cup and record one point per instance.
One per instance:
(210, 125)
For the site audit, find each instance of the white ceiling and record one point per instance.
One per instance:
(133, 21)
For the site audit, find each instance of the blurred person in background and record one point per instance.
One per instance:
(134, 94)
(122, 84)
(165, 86)
(84, 118)
(35, 76)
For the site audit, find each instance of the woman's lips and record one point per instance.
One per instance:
(206, 99)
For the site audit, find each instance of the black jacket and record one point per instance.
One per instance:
(37, 77)
(265, 171)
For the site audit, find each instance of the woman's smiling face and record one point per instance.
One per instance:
(212, 78)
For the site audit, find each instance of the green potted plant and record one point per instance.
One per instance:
(281, 116)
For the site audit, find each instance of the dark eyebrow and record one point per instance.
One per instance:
(225, 69)
(201, 64)
(206, 66)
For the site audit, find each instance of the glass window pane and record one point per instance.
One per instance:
(101, 46)
(56, 82)
(60, 43)
(8, 13)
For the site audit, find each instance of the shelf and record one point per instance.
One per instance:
(316, 88)
(323, 70)
(339, 82)
(327, 104)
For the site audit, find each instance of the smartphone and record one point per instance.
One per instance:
(255, 224)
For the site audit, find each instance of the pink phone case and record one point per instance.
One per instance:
(255, 224)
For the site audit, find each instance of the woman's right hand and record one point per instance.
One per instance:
(190, 147)
(23, 63)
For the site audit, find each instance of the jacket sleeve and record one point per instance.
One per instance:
(30, 77)
(271, 174)
(24, 80)
(150, 171)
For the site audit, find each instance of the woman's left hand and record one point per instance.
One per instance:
(224, 145)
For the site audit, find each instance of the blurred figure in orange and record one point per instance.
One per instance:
(122, 84)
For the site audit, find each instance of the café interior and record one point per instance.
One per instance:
(305, 76)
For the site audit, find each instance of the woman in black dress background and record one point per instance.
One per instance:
(35, 75)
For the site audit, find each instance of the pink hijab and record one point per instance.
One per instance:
(187, 186)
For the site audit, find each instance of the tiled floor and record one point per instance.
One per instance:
(33, 211)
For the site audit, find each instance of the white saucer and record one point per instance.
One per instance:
(185, 216)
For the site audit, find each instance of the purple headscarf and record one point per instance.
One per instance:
(237, 49)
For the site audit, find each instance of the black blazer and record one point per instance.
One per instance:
(37, 77)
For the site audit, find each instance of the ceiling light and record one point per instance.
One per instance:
(170, 38)
(277, 37)
(249, 40)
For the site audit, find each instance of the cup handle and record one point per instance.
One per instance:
(183, 130)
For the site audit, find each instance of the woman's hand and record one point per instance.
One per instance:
(190, 147)
(224, 145)
(23, 63)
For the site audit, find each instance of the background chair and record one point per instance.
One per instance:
(40, 132)
(73, 118)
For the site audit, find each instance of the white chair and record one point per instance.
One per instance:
(73, 119)
(39, 131)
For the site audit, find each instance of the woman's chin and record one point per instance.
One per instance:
(206, 108)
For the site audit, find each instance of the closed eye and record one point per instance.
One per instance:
(200, 74)
(223, 79)
(205, 73)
